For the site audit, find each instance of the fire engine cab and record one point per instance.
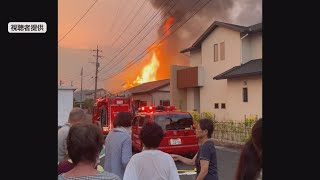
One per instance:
(106, 109)
(179, 131)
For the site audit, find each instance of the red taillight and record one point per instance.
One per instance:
(142, 108)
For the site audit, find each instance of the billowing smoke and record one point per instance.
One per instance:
(242, 12)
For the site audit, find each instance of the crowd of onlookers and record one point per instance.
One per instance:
(80, 144)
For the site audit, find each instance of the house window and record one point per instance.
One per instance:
(222, 51)
(245, 94)
(215, 52)
(223, 105)
(216, 105)
(164, 102)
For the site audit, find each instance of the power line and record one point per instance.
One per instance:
(92, 73)
(130, 51)
(127, 28)
(79, 20)
(115, 19)
(129, 65)
(91, 84)
(137, 2)
(76, 77)
(111, 26)
(151, 31)
(97, 66)
(131, 40)
(129, 22)
(81, 87)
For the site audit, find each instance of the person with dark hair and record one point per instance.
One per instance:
(206, 158)
(151, 163)
(118, 144)
(250, 163)
(84, 143)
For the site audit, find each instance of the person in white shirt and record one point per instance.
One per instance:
(151, 163)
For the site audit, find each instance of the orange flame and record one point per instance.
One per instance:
(167, 25)
(149, 73)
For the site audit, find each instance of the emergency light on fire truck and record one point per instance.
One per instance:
(154, 108)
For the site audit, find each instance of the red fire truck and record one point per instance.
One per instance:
(179, 128)
(106, 109)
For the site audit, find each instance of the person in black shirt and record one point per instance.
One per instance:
(206, 158)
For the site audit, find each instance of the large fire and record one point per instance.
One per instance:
(150, 71)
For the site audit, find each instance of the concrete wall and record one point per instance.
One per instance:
(154, 97)
(143, 97)
(157, 96)
(195, 58)
(256, 45)
(178, 97)
(237, 52)
(65, 104)
(252, 47)
(193, 99)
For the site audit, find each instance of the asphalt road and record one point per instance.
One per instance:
(227, 165)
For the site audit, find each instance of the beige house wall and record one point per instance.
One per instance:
(238, 109)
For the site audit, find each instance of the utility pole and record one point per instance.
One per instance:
(97, 66)
(81, 88)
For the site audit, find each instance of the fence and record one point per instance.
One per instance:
(232, 132)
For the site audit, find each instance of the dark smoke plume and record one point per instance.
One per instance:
(242, 12)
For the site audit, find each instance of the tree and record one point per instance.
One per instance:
(88, 104)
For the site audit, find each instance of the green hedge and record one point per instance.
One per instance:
(228, 131)
(207, 115)
(233, 132)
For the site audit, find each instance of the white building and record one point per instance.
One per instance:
(225, 77)
(153, 93)
(65, 103)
